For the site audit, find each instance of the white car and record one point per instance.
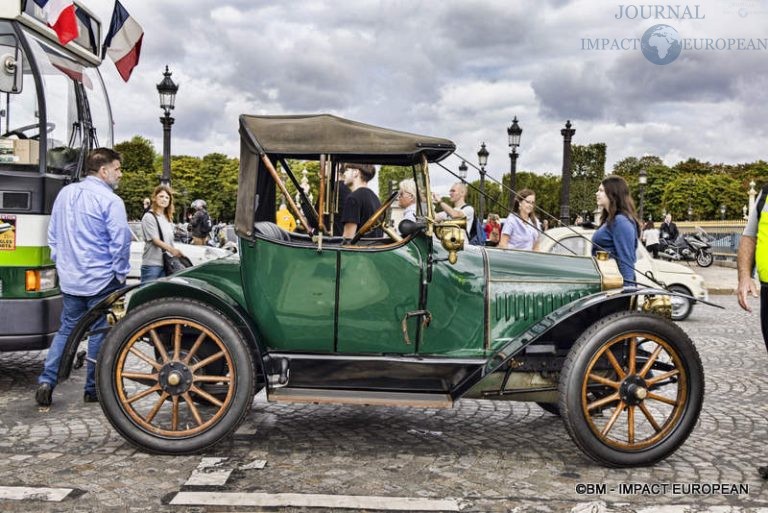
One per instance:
(575, 240)
(197, 254)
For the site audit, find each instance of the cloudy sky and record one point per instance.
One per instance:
(459, 69)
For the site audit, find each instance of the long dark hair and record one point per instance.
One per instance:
(521, 195)
(619, 201)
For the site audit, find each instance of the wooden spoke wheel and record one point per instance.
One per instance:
(631, 389)
(175, 376)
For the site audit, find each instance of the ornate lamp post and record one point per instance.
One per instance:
(690, 213)
(463, 171)
(167, 90)
(722, 211)
(513, 132)
(482, 159)
(565, 192)
(642, 180)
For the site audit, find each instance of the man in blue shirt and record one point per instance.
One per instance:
(90, 243)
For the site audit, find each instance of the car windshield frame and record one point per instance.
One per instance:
(269, 141)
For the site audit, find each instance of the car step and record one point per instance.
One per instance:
(325, 396)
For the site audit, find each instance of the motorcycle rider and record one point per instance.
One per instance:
(668, 230)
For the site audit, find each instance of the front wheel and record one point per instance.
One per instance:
(175, 376)
(631, 389)
(704, 258)
(681, 306)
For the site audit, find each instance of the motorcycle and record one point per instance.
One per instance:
(687, 247)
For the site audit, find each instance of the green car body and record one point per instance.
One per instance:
(411, 320)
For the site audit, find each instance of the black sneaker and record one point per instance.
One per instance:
(763, 471)
(90, 397)
(43, 394)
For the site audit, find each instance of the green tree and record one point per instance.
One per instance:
(492, 197)
(139, 175)
(703, 194)
(547, 189)
(389, 174)
(657, 175)
(187, 181)
(693, 166)
(587, 171)
(219, 176)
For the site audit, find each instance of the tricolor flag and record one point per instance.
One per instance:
(123, 43)
(60, 16)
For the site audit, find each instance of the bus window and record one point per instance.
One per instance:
(64, 126)
(18, 115)
(101, 116)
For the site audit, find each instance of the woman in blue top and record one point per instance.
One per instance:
(619, 228)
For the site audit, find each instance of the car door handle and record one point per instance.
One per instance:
(427, 318)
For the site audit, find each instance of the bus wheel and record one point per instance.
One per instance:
(152, 385)
(631, 389)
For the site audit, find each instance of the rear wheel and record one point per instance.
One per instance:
(631, 389)
(175, 377)
(704, 258)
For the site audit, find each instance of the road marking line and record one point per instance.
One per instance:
(24, 493)
(298, 500)
(207, 473)
(255, 464)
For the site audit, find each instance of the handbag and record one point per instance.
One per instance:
(171, 264)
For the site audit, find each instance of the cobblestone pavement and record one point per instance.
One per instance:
(488, 456)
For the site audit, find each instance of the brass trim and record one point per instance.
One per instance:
(610, 277)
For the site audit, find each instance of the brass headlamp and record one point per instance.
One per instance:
(451, 235)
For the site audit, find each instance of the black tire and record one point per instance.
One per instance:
(704, 258)
(596, 401)
(681, 306)
(553, 408)
(131, 386)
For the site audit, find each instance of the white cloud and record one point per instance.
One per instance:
(460, 70)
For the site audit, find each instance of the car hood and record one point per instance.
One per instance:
(671, 267)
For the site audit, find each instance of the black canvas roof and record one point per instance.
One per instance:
(307, 136)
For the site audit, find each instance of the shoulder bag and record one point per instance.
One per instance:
(171, 264)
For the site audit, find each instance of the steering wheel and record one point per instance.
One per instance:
(374, 220)
(19, 132)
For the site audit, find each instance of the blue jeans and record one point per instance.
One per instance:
(151, 272)
(75, 307)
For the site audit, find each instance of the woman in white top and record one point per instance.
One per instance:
(406, 198)
(521, 229)
(157, 220)
(650, 238)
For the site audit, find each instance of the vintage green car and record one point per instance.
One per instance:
(412, 319)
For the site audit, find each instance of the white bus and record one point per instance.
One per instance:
(53, 110)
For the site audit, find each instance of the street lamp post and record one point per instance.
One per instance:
(722, 211)
(642, 180)
(167, 90)
(482, 159)
(513, 132)
(690, 212)
(463, 171)
(565, 192)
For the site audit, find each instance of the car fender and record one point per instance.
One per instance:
(83, 326)
(569, 319)
(180, 286)
(203, 290)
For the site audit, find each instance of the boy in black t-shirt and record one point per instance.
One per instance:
(362, 201)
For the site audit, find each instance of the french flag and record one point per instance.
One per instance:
(60, 15)
(123, 43)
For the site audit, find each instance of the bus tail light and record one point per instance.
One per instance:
(38, 280)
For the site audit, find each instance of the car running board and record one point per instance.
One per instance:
(325, 396)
